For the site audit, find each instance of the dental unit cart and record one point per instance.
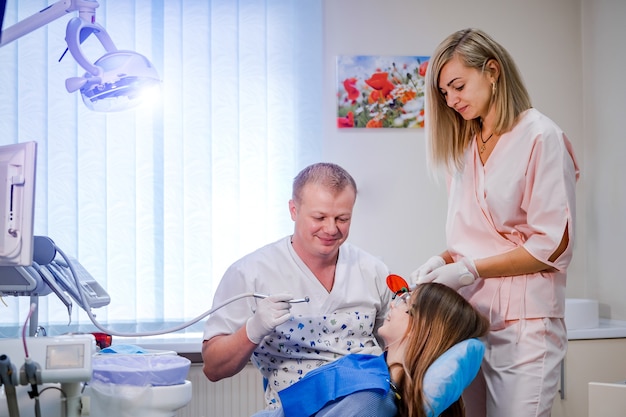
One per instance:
(53, 359)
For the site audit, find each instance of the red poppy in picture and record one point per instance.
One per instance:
(374, 124)
(374, 97)
(379, 81)
(347, 121)
(349, 85)
(423, 68)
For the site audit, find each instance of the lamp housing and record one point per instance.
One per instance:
(117, 81)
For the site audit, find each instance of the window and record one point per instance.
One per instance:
(157, 202)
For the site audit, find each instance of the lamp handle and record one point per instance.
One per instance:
(77, 31)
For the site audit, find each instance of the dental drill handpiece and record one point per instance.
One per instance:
(306, 299)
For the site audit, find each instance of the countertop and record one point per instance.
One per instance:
(608, 329)
(185, 344)
(190, 344)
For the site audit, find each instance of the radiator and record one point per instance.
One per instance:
(239, 396)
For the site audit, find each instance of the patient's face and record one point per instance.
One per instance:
(397, 321)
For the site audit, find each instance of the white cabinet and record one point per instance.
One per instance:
(607, 399)
(596, 360)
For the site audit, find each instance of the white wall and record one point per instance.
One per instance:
(400, 211)
(604, 109)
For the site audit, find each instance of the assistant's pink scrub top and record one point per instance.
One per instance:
(524, 195)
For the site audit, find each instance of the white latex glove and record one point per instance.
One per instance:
(454, 275)
(271, 311)
(429, 266)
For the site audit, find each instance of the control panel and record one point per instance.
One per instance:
(65, 358)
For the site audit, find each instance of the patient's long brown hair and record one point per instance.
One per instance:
(440, 318)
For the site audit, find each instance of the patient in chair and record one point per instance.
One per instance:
(432, 353)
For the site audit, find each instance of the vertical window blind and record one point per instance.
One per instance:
(156, 202)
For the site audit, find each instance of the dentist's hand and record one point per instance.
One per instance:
(454, 275)
(417, 276)
(271, 311)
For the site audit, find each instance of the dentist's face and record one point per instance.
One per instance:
(322, 220)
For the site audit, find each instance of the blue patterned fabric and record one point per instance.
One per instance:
(337, 379)
(358, 385)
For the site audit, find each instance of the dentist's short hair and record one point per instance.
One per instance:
(327, 174)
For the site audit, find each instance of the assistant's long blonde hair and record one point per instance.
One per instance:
(440, 318)
(447, 132)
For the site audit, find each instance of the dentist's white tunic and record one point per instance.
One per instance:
(524, 195)
(329, 326)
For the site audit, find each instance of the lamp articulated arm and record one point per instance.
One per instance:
(86, 11)
(77, 31)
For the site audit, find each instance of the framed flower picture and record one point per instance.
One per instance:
(376, 91)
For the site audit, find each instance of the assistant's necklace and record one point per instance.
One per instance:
(484, 141)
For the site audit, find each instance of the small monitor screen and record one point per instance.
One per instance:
(17, 197)
(63, 356)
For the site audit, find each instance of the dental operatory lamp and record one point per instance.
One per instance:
(119, 80)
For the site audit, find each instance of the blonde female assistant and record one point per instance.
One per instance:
(511, 175)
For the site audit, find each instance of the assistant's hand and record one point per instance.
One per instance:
(271, 311)
(417, 276)
(454, 275)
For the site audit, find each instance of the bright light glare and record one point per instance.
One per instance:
(121, 96)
